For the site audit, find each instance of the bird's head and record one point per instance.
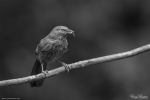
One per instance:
(61, 32)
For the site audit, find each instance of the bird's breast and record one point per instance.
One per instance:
(57, 51)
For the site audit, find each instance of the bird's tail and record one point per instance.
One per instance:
(37, 68)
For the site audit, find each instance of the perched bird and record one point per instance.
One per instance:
(50, 48)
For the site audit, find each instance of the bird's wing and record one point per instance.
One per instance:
(46, 45)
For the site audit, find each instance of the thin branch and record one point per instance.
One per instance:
(76, 65)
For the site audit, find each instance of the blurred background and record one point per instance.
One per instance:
(102, 27)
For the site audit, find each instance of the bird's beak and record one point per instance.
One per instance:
(71, 32)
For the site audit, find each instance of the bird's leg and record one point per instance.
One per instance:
(44, 72)
(64, 64)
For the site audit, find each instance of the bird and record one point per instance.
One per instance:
(50, 48)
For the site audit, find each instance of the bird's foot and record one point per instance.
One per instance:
(64, 64)
(45, 73)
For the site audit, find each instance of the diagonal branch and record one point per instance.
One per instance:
(77, 65)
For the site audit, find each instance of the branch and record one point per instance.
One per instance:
(76, 65)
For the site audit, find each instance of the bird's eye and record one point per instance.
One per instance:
(60, 30)
(64, 30)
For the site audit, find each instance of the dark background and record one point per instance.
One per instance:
(102, 27)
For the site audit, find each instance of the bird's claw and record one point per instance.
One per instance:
(45, 73)
(66, 66)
